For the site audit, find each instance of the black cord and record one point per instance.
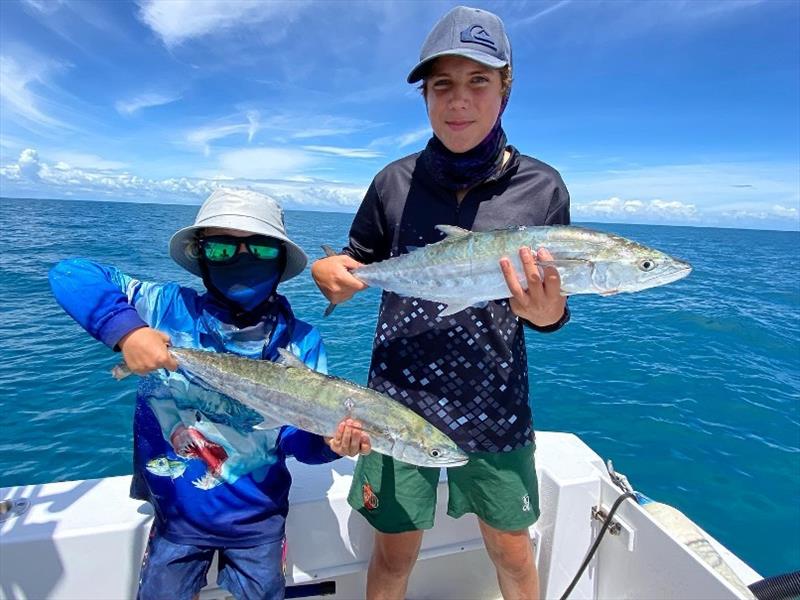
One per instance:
(596, 543)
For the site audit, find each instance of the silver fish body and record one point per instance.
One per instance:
(291, 393)
(463, 269)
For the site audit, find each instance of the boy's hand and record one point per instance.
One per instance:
(333, 278)
(542, 303)
(349, 439)
(146, 350)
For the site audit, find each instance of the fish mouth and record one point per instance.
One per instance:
(680, 271)
(454, 460)
(188, 442)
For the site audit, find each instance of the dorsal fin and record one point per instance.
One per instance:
(453, 231)
(290, 360)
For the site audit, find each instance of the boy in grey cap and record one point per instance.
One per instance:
(216, 484)
(466, 373)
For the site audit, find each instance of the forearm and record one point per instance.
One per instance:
(306, 447)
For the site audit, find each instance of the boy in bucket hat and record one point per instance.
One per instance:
(467, 373)
(216, 484)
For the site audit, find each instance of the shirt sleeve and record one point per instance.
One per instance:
(99, 298)
(367, 242)
(306, 447)
(558, 212)
(109, 304)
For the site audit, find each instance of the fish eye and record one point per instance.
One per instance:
(647, 265)
(435, 453)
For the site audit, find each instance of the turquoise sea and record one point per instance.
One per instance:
(692, 389)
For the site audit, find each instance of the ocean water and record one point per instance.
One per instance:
(693, 389)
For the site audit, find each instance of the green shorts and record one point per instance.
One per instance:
(500, 488)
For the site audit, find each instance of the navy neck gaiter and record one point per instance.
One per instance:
(245, 286)
(459, 171)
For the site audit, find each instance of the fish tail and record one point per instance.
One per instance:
(121, 371)
(330, 309)
(329, 251)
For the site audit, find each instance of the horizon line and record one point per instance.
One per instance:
(355, 208)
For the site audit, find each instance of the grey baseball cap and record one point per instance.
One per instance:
(469, 32)
(243, 210)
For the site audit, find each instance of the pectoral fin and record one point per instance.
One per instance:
(268, 423)
(453, 231)
(290, 360)
(454, 306)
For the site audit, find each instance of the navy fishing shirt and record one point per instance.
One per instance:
(466, 373)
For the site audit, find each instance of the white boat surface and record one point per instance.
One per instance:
(85, 539)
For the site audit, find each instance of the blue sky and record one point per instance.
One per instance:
(681, 112)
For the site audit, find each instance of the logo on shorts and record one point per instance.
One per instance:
(370, 499)
(526, 503)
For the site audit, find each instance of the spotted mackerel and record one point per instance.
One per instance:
(463, 269)
(290, 393)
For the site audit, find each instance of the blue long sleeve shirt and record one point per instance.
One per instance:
(212, 478)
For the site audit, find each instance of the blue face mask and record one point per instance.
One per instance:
(246, 282)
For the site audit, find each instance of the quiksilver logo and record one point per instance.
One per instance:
(476, 34)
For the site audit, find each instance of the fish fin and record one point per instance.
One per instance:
(451, 308)
(267, 423)
(329, 251)
(331, 307)
(121, 371)
(290, 360)
(453, 231)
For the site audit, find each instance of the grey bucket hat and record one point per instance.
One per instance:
(469, 32)
(245, 211)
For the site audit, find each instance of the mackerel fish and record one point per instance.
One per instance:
(463, 269)
(290, 393)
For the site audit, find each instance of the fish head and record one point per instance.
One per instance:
(637, 268)
(158, 466)
(430, 449)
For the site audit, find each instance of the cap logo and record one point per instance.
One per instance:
(476, 34)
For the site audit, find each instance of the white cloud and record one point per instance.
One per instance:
(30, 174)
(176, 21)
(293, 126)
(44, 6)
(775, 211)
(203, 136)
(264, 163)
(86, 161)
(784, 211)
(626, 209)
(709, 186)
(28, 164)
(404, 139)
(297, 125)
(128, 107)
(344, 152)
(321, 132)
(17, 78)
(538, 15)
